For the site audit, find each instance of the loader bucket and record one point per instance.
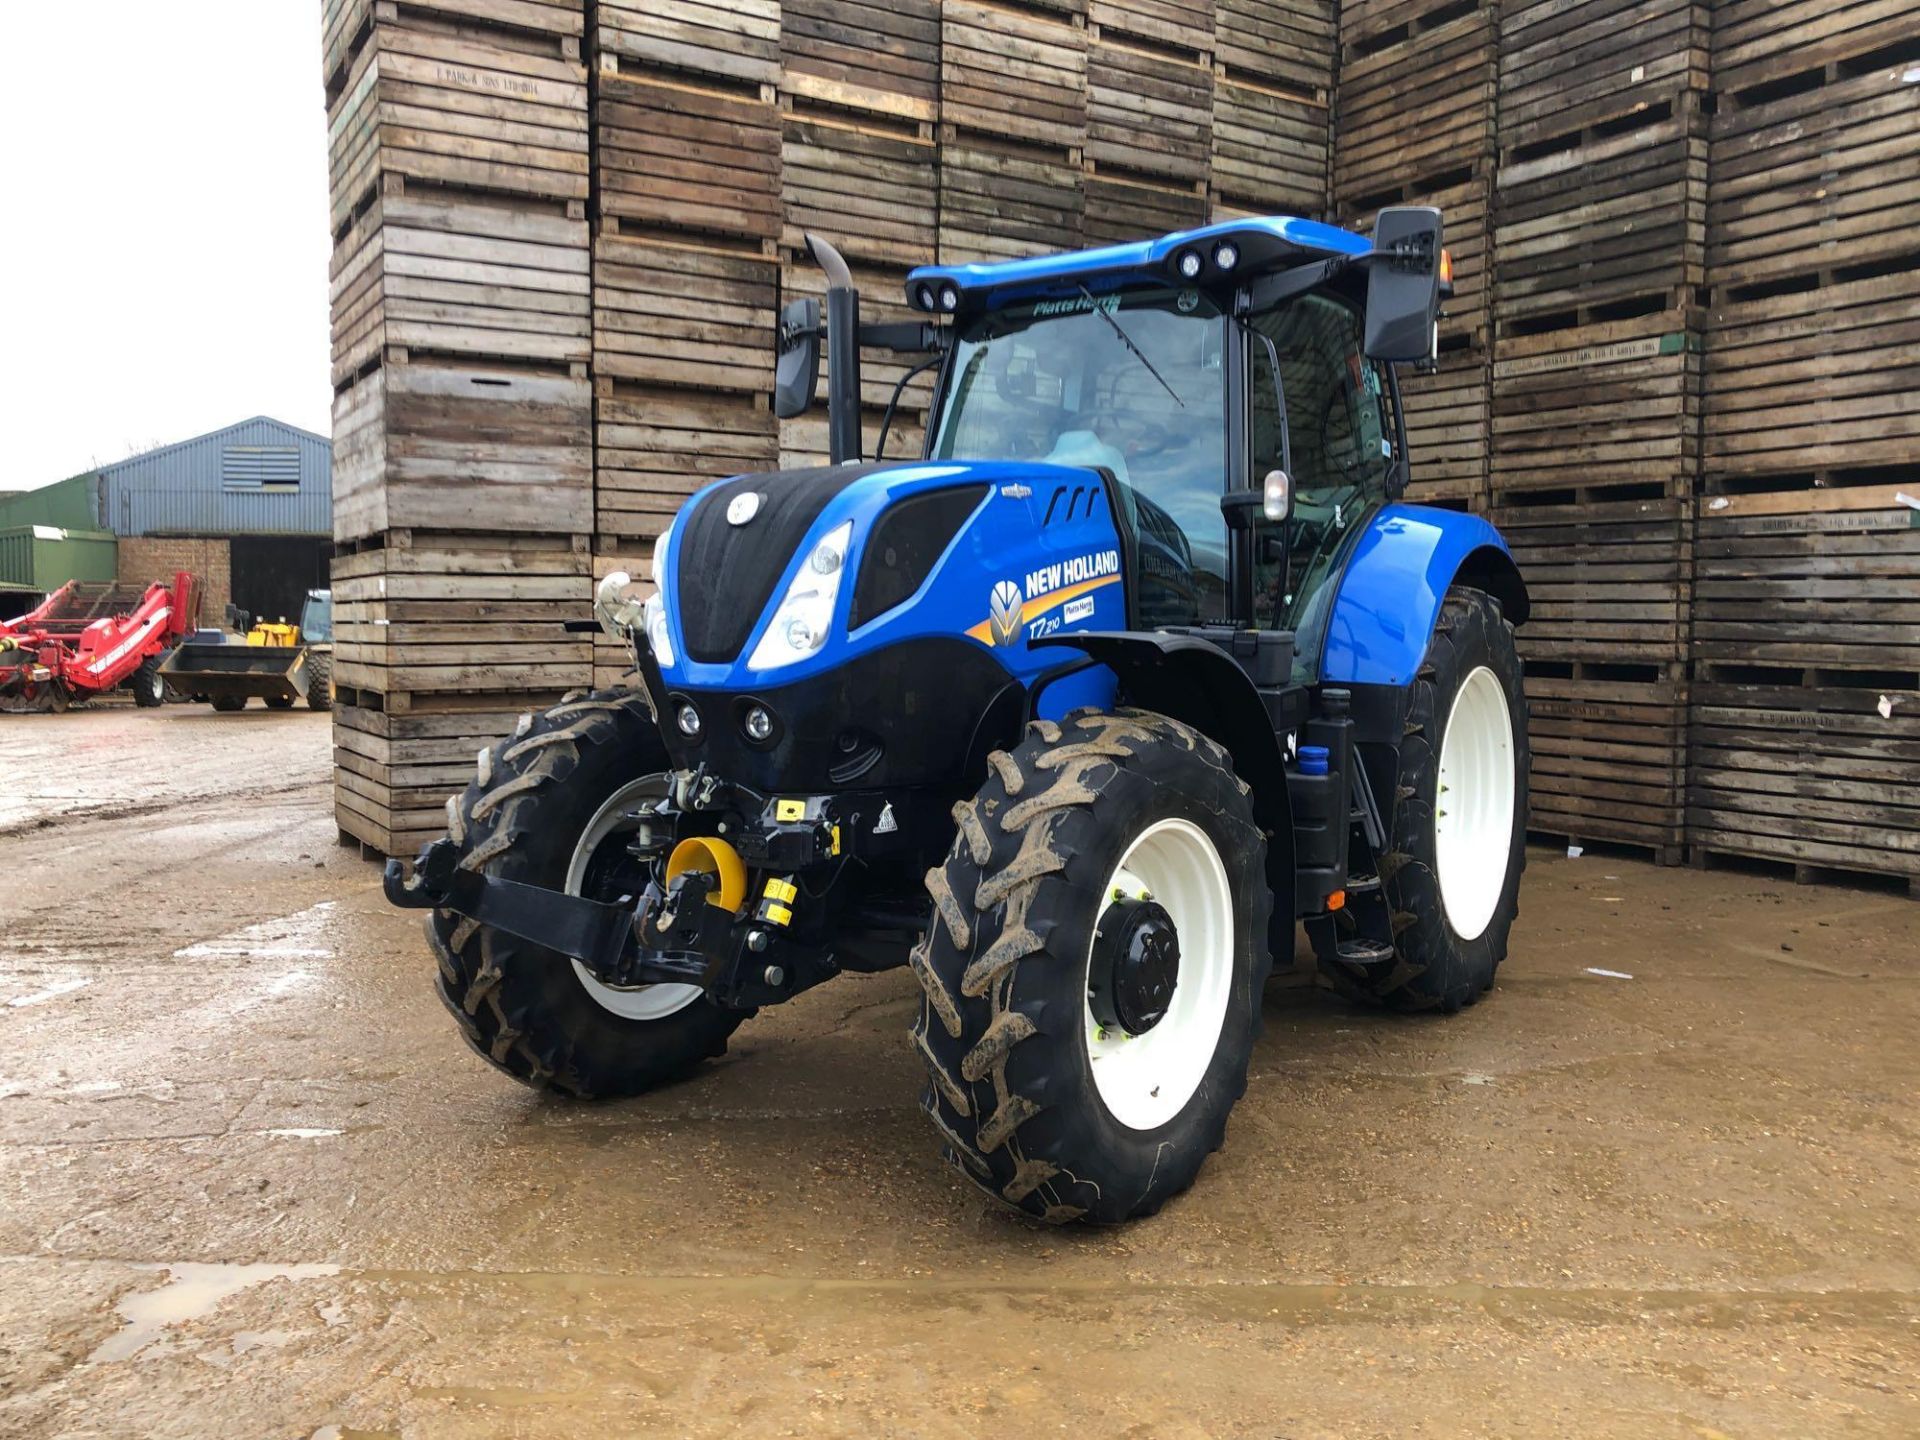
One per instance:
(236, 672)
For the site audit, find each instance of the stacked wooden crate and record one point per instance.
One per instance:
(1599, 253)
(1806, 699)
(462, 416)
(859, 102)
(686, 181)
(1415, 126)
(1150, 100)
(1274, 65)
(1013, 128)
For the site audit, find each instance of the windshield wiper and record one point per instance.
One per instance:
(1127, 340)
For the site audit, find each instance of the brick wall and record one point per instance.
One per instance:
(144, 560)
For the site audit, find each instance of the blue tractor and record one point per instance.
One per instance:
(1080, 713)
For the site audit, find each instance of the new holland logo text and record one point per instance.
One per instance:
(1054, 595)
(1079, 569)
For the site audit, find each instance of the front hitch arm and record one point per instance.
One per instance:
(598, 935)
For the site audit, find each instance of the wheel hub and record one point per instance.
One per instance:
(1136, 966)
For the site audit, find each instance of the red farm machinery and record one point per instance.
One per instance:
(88, 639)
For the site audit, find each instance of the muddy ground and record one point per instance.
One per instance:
(252, 1183)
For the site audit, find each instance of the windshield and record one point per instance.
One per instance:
(1132, 382)
(317, 621)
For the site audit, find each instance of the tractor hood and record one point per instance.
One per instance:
(774, 578)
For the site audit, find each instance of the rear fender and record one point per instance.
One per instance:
(1391, 593)
(1199, 684)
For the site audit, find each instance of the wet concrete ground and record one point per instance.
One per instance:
(252, 1183)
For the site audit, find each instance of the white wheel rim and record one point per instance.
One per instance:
(1146, 1080)
(637, 1002)
(1473, 811)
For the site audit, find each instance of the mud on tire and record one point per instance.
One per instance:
(523, 1008)
(1434, 967)
(1004, 966)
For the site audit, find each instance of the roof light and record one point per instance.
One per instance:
(950, 299)
(1188, 263)
(923, 295)
(1226, 255)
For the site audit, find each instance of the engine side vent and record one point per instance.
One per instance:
(1071, 502)
(905, 543)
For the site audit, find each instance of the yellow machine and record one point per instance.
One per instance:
(280, 663)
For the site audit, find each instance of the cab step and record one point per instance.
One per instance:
(1364, 952)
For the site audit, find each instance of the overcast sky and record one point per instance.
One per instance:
(165, 239)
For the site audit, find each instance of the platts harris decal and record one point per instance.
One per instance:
(1066, 586)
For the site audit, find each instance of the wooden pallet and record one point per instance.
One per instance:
(446, 273)
(848, 51)
(1415, 100)
(729, 40)
(1149, 111)
(1822, 180)
(1609, 574)
(1178, 27)
(656, 445)
(394, 771)
(462, 613)
(467, 105)
(1762, 42)
(347, 25)
(1000, 199)
(1818, 769)
(1569, 64)
(1271, 149)
(1603, 218)
(1823, 577)
(1447, 428)
(1289, 45)
(683, 315)
(1820, 377)
(1120, 210)
(447, 445)
(871, 188)
(1017, 74)
(1610, 402)
(1609, 749)
(696, 158)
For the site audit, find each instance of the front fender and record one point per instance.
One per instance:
(1199, 684)
(1391, 593)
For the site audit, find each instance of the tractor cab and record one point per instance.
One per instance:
(1141, 665)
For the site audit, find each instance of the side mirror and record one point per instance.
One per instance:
(1403, 285)
(796, 373)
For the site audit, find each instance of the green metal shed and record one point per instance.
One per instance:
(42, 558)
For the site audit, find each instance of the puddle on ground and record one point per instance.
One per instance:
(291, 937)
(52, 992)
(191, 1292)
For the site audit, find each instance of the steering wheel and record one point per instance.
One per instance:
(1147, 437)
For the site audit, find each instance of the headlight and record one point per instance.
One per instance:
(799, 627)
(657, 635)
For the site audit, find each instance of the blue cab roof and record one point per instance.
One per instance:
(1264, 242)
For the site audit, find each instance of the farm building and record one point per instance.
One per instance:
(247, 508)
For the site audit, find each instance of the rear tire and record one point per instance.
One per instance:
(227, 704)
(1451, 874)
(149, 690)
(1076, 819)
(319, 680)
(527, 1010)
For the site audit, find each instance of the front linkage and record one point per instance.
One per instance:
(691, 924)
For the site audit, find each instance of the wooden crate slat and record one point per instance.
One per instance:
(869, 47)
(1270, 149)
(873, 191)
(655, 447)
(682, 156)
(735, 40)
(1147, 113)
(679, 314)
(1012, 73)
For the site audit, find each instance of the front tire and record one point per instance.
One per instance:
(546, 808)
(320, 680)
(1046, 1095)
(1451, 875)
(228, 704)
(149, 690)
